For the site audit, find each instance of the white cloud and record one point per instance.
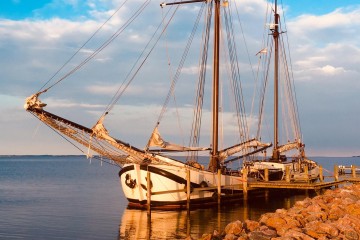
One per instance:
(330, 70)
(65, 103)
(325, 49)
(101, 89)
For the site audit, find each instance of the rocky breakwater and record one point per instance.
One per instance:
(332, 215)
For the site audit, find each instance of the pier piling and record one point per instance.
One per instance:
(287, 173)
(266, 173)
(321, 175)
(353, 171)
(188, 183)
(306, 171)
(245, 183)
(219, 185)
(148, 181)
(336, 173)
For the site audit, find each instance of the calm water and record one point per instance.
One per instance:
(68, 198)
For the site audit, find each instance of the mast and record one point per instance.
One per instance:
(275, 33)
(214, 159)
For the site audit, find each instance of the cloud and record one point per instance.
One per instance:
(330, 70)
(65, 103)
(325, 56)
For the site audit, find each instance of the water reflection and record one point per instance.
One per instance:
(135, 224)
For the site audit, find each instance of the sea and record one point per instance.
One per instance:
(72, 197)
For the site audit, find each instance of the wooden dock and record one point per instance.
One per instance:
(341, 175)
(294, 185)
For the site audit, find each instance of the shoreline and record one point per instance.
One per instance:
(335, 214)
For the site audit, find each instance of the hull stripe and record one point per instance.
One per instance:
(160, 172)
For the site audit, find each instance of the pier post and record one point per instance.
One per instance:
(219, 185)
(245, 186)
(188, 183)
(266, 173)
(148, 181)
(336, 172)
(287, 173)
(353, 171)
(321, 175)
(306, 172)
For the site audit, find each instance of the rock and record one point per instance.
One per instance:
(258, 235)
(353, 209)
(206, 237)
(316, 216)
(336, 212)
(351, 234)
(230, 236)
(274, 220)
(234, 228)
(322, 229)
(188, 238)
(250, 225)
(297, 233)
(245, 237)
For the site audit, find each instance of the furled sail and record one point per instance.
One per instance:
(157, 141)
(101, 132)
(253, 143)
(289, 146)
(34, 102)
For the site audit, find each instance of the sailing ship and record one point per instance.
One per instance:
(157, 175)
(300, 168)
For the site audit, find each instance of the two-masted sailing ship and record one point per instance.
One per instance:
(172, 170)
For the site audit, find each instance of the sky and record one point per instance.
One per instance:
(38, 37)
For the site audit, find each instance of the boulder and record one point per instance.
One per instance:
(234, 228)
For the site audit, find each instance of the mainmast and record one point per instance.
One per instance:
(275, 33)
(214, 161)
(214, 158)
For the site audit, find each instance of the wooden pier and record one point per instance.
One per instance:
(341, 175)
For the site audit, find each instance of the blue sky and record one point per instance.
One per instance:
(38, 36)
(21, 9)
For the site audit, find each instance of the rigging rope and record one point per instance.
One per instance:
(292, 83)
(104, 45)
(237, 88)
(125, 84)
(170, 76)
(82, 46)
(264, 63)
(199, 98)
(111, 162)
(179, 69)
(248, 55)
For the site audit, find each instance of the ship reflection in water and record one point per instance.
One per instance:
(135, 224)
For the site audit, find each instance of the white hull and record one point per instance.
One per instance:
(166, 178)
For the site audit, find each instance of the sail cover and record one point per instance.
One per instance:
(289, 146)
(101, 132)
(223, 154)
(157, 141)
